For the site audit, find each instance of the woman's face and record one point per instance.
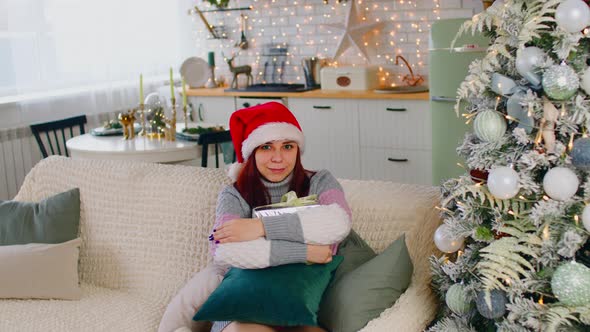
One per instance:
(276, 160)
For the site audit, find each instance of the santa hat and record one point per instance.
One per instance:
(253, 126)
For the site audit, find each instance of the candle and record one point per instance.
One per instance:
(140, 89)
(183, 93)
(211, 57)
(171, 86)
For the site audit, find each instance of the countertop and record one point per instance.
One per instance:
(335, 94)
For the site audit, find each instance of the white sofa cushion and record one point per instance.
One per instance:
(40, 271)
(99, 310)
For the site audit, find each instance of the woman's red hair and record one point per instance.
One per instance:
(250, 186)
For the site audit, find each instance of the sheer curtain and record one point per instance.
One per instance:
(65, 57)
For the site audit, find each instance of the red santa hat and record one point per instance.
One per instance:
(253, 126)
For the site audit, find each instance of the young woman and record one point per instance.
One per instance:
(269, 142)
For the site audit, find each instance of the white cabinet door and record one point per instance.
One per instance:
(400, 124)
(395, 140)
(397, 165)
(215, 110)
(331, 132)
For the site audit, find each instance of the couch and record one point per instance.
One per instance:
(144, 230)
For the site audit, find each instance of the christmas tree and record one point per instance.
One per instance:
(516, 225)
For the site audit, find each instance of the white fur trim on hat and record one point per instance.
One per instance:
(233, 171)
(272, 132)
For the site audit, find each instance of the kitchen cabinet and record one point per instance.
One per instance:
(215, 110)
(395, 141)
(331, 128)
(355, 136)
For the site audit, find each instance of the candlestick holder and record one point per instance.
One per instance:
(170, 128)
(185, 112)
(141, 111)
(211, 82)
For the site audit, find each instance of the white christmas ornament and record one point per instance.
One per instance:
(354, 29)
(503, 182)
(528, 60)
(586, 218)
(444, 242)
(573, 15)
(585, 82)
(560, 183)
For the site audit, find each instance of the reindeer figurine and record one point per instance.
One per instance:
(246, 69)
(127, 120)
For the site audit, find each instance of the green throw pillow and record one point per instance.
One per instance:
(363, 293)
(52, 220)
(286, 295)
(355, 252)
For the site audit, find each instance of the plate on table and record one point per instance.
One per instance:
(102, 131)
(195, 71)
(195, 130)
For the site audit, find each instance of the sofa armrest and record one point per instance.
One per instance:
(412, 312)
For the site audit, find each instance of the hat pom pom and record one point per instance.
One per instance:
(234, 170)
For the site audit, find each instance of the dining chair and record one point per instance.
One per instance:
(55, 134)
(219, 139)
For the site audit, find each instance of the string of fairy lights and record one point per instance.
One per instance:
(300, 28)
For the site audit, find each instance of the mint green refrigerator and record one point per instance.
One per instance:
(447, 69)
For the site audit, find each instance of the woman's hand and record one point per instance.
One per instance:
(319, 254)
(238, 230)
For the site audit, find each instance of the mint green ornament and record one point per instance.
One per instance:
(489, 126)
(571, 284)
(560, 82)
(457, 299)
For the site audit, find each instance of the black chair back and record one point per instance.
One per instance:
(216, 138)
(55, 134)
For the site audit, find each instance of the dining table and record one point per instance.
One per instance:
(139, 148)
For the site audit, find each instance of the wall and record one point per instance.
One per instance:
(306, 27)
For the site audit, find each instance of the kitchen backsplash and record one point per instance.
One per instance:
(308, 28)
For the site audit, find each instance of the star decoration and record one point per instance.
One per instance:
(354, 29)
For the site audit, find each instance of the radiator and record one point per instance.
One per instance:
(19, 152)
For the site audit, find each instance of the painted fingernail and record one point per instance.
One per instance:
(214, 230)
(210, 237)
(217, 241)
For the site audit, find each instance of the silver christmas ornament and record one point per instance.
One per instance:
(572, 15)
(571, 284)
(581, 153)
(586, 218)
(560, 183)
(519, 112)
(560, 82)
(528, 60)
(503, 182)
(491, 307)
(444, 242)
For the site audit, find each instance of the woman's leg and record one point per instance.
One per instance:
(184, 305)
(247, 327)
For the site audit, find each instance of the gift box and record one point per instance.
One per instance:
(268, 211)
(289, 203)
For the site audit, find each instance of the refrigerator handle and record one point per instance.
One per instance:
(442, 98)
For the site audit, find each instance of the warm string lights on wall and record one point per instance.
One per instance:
(306, 29)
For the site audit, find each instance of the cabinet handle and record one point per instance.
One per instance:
(397, 160)
(322, 107)
(396, 109)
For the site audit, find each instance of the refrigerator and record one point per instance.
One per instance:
(447, 69)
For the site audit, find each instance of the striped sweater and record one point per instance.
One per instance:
(287, 235)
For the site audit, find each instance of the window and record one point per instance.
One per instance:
(50, 47)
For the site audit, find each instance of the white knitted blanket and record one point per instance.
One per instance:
(144, 229)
